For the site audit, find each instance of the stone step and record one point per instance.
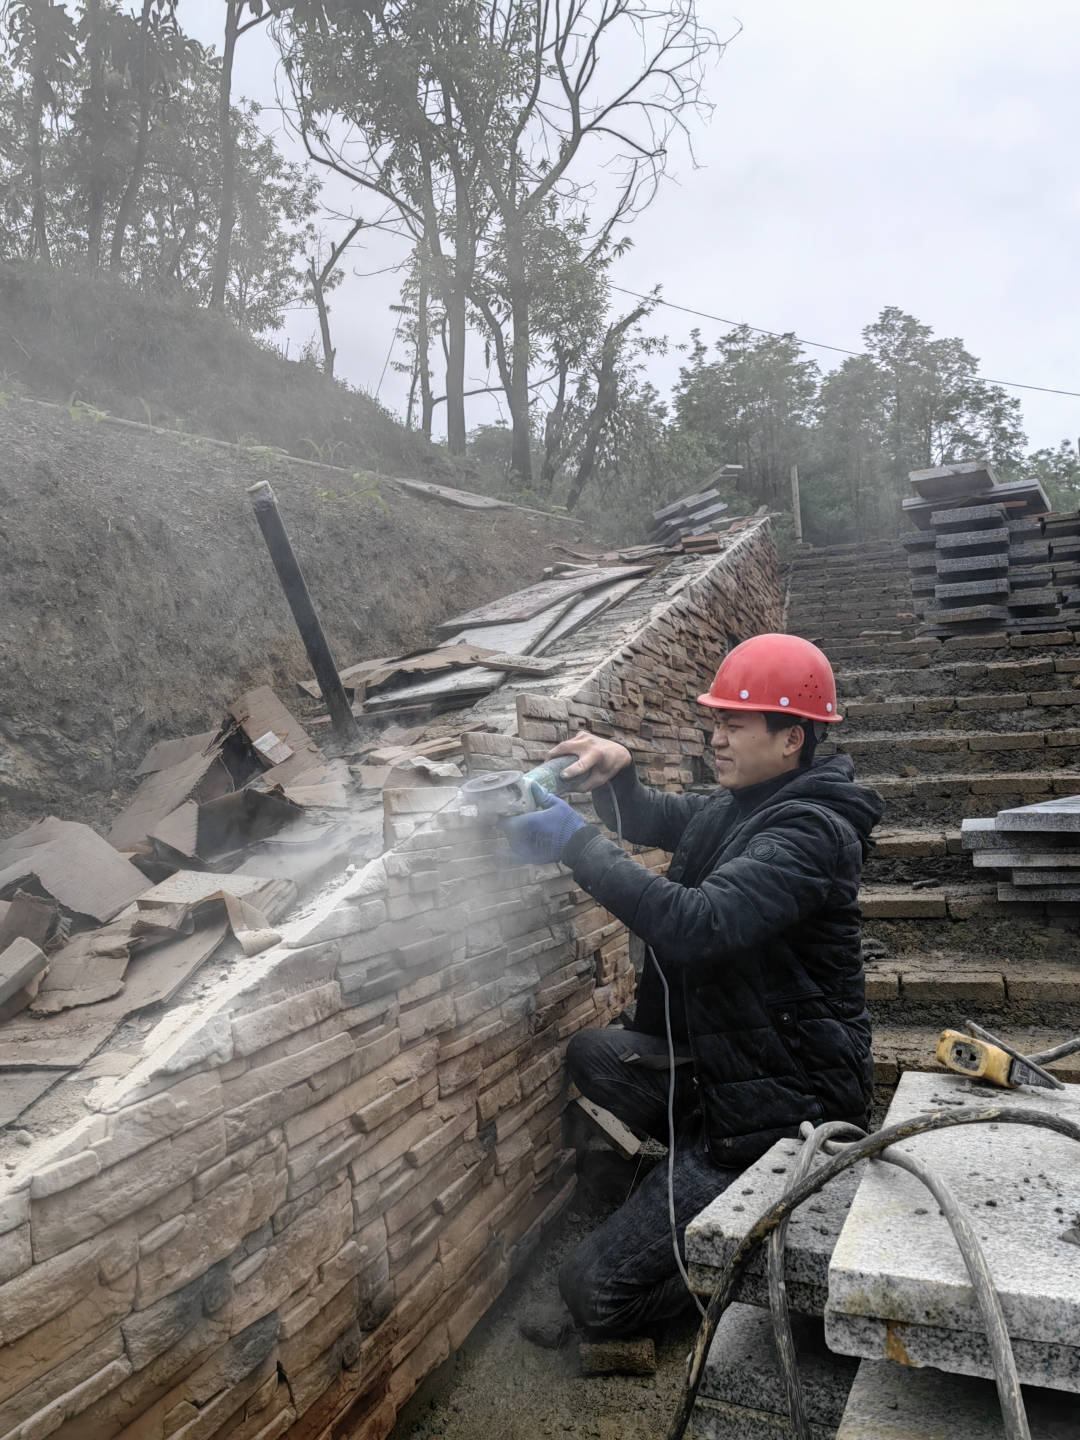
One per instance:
(1003, 991)
(898, 1287)
(1051, 709)
(897, 1402)
(947, 798)
(947, 752)
(898, 1048)
(857, 627)
(742, 1394)
(853, 650)
(919, 674)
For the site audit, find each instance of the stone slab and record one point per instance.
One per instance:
(962, 613)
(1040, 894)
(969, 517)
(717, 1420)
(743, 1370)
(897, 1284)
(712, 1237)
(947, 564)
(889, 1402)
(1061, 814)
(982, 541)
(963, 589)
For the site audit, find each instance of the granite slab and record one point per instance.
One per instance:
(981, 541)
(969, 517)
(742, 1390)
(1060, 814)
(711, 1238)
(888, 1402)
(897, 1284)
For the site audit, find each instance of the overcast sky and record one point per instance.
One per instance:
(861, 153)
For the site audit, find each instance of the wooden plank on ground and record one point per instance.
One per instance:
(467, 499)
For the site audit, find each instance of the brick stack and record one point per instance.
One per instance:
(321, 1173)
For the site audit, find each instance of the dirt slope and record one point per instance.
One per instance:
(136, 595)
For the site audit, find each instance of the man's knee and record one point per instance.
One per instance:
(585, 1057)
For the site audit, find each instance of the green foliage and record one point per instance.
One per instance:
(92, 172)
(1059, 471)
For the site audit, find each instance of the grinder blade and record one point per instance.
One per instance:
(497, 792)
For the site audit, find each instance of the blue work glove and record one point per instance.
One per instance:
(540, 837)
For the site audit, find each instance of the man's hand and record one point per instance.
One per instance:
(540, 837)
(601, 758)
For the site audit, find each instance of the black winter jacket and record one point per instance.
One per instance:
(758, 923)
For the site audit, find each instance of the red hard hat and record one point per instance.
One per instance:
(775, 672)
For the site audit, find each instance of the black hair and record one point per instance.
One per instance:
(777, 720)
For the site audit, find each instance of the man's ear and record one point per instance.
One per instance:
(796, 739)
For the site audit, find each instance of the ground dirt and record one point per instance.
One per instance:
(500, 1386)
(137, 597)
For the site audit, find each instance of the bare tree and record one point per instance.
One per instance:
(577, 103)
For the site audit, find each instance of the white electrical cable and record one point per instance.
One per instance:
(671, 1091)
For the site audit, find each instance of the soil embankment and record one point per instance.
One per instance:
(137, 597)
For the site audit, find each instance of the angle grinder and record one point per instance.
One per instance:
(509, 792)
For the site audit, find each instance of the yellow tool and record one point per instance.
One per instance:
(982, 1056)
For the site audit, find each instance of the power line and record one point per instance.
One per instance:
(820, 344)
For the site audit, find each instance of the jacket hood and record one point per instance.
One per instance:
(830, 781)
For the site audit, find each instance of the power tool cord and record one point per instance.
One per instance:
(650, 953)
(806, 1184)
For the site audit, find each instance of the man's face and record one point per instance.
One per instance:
(746, 753)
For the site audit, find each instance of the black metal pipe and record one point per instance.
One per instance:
(299, 598)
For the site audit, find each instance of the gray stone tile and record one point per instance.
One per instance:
(743, 1370)
(889, 1402)
(897, 1283)
(1060, 814)
(711, 1239)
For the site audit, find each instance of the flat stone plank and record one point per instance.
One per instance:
(947, 564)
(978, 540)
(966, 477)
(712, 1237)
(962, 589)
(742, 1370)
(20, 1088)
(969, 517)
(889, 1402)
(898, 1287)
(1060, 814)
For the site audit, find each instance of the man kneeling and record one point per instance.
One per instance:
(753, 976)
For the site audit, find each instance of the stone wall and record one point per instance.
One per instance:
(318, 1178)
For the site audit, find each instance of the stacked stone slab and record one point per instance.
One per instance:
(871, 1254)
(981, 558)
(324, 1168)
(1037, 846)
(946, 729)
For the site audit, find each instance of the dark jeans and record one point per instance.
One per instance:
(623, 1278)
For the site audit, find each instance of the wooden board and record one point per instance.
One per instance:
(525, 604)
(467, 499)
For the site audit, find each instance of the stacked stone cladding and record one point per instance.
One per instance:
(319, 1176)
